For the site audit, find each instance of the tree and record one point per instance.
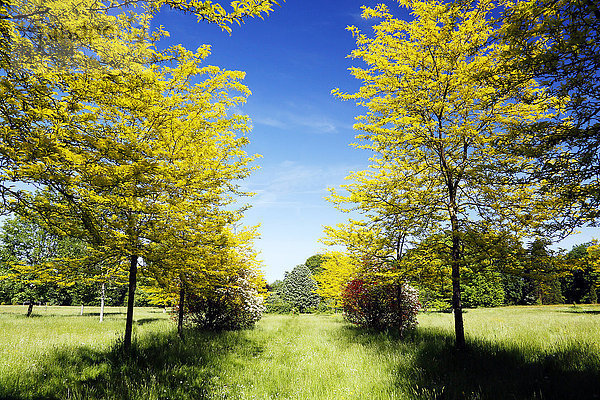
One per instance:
(336, 272)
(299, 289)
(558, 44)
(594, 261)
(206, 267)
(579, 283)
(34, 259)
(112, 136)
(543, 269)
(314, 263)
(275, 286)
(483, 289)
(433, 125)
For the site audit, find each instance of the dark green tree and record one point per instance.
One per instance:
(579, 284)
(558, 44)
(544, 270)
(275, 286)
(314, 263)
(30, 257)
(483, 289)
(299, 289)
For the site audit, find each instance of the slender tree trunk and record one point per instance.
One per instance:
(81, 311)
(459, 328)
(102, 294)
(180, 314)
(30, 308)
(130, 299)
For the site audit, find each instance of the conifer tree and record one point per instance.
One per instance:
(299, 289)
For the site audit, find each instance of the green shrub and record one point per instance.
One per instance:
(274, 304)
(483, 289)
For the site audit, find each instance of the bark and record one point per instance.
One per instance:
(102, 294)
(459, 328)
(30, 308)
(130, 299)
(180, 314)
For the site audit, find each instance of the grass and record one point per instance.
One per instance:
(547, 352)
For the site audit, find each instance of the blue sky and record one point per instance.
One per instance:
(293, 59)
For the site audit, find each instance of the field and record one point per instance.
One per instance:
(547, 352)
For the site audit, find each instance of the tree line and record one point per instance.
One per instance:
(520, 275)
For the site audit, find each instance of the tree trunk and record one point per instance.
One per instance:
(459, 328)
(81, 311)
(180, 314)
(30, 308)
(102, 294)
(130, 299)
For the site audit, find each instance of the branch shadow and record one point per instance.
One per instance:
(589, 312)
(91, 314)
(486, 369)
(143, 321)
(159, 366)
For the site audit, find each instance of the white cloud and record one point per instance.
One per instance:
(268, 121)
(312, 122)
(294, 186)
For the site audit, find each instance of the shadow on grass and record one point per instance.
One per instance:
(92, 314)
(46, 314)
(590, 312)
(143, 321)
(159, 366)
(485, 370)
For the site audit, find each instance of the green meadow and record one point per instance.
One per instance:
(546, 352)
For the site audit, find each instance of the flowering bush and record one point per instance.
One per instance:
(377, 303)
(226, 308)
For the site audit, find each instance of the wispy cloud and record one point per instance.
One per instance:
(293, 185)
(310, 122)
(268, 121)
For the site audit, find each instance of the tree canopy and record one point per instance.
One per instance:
(558, 44)
(112, 140)
(434, 125)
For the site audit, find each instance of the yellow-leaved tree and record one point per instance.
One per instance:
(337, 270)
(435, 121)
(108, 139)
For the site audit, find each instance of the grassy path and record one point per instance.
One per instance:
(514, 353)
(309, 357)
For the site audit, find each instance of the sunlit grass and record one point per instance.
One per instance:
(513, 353)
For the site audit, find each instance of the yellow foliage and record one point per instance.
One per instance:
(337, 270)
(440, 111)
(131, 148)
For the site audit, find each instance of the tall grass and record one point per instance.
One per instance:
(513, 353)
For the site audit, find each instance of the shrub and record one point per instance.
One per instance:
(276, 305)
(226, 308)
(380, 304)
(483, 289)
